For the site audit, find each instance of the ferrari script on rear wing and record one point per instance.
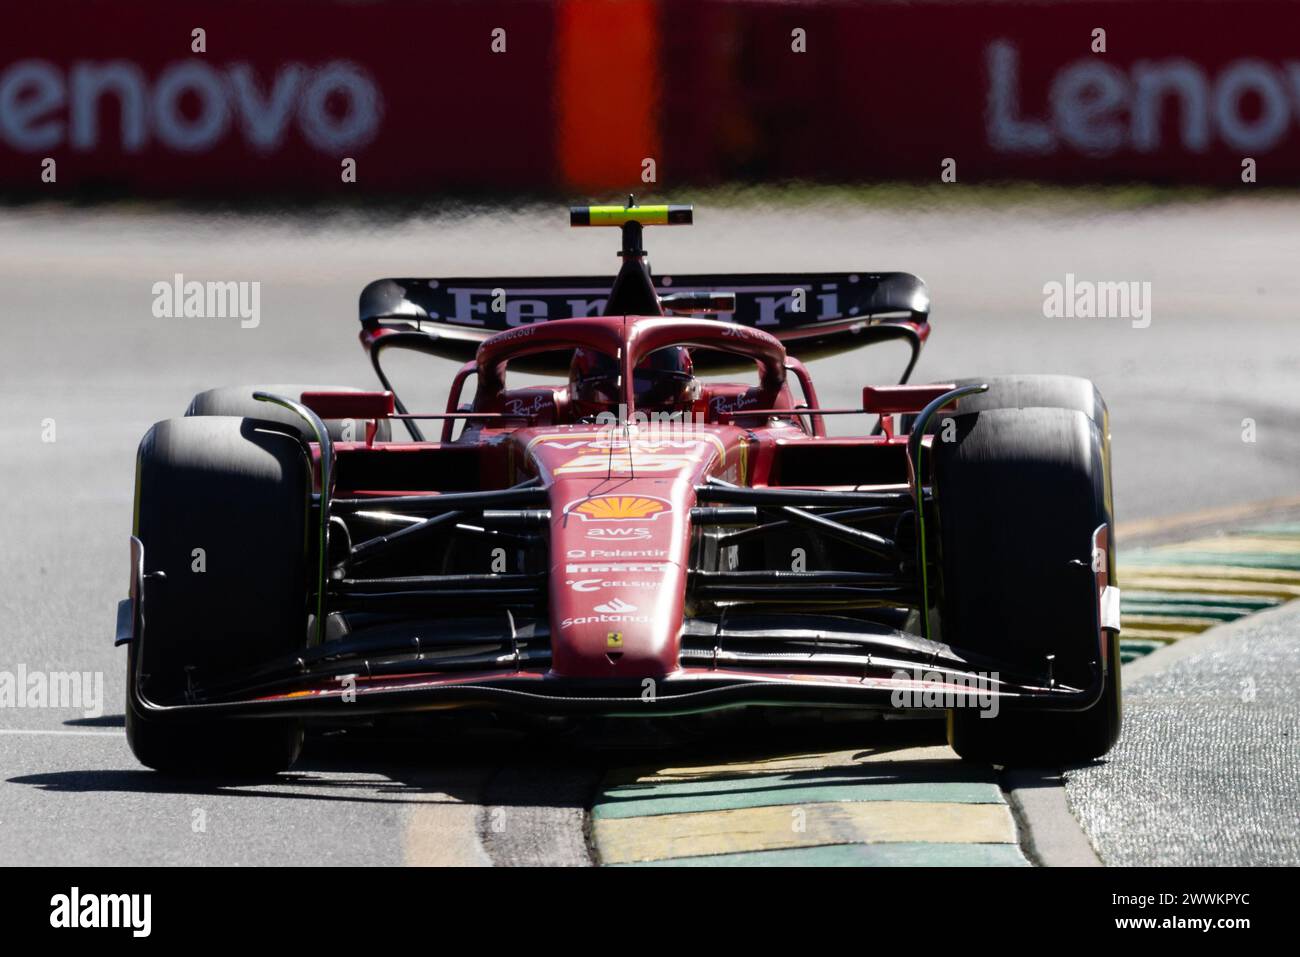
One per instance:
(816, 311)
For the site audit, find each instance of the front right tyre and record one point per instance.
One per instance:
(222, 508)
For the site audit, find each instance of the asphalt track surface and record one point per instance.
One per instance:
(81, 347)
(1206, 771)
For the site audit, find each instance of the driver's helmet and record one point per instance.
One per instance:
(665, 379)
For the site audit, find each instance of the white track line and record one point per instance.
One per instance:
(62, 733)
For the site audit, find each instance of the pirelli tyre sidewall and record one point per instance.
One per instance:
(1019, 493)
(222, 507)
(237, 400)
(1035, 392)
(1038, 392)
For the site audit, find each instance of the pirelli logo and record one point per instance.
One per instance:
(609, 567)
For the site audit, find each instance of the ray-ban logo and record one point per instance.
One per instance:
(179, 299)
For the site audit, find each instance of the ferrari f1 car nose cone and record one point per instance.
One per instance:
(617, 577)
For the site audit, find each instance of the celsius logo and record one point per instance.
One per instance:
(615, 508)
(616, 606)
(189, 107)
(74, 909)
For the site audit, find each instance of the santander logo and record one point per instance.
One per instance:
(615, 606)
(1098, 108)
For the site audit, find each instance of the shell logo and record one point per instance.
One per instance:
(613, 508)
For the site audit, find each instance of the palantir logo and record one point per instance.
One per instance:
(76, 910)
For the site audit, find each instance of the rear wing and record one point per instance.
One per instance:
(811, 313)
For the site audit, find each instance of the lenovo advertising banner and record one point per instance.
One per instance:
(1179, 91)
(291, 97)
(422, 97)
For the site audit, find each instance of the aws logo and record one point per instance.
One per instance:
(618, 508)
(618, 533)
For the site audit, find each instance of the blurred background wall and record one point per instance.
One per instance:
(600, 95)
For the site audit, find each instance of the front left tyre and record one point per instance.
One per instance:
(1020, 493)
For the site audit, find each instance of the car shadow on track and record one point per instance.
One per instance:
(503, 766)
(103, 721)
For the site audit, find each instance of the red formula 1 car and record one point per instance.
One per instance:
(643, 540)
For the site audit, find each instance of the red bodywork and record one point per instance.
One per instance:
(621, 493)
(618, 505)
(551, 555)
(620, 497)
